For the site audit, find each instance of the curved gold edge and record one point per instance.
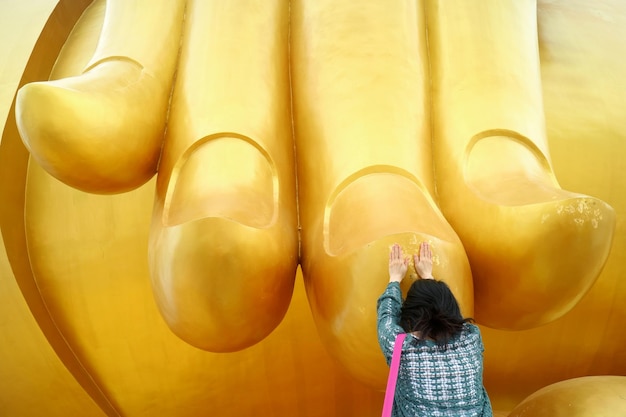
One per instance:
(588, 396)
(517, 137)
(182, 160)
(13, 167)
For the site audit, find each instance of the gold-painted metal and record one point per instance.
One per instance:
(27, 387)
(118, 102)
(224, 242)
(579, 397)
(370, 90)
(365, 175)
(495, 181)
(34, 378)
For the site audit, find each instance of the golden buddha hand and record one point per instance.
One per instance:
(452, 135)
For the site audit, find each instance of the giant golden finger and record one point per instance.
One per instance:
(360, 86)
(118, 104)
(224, 246)
(534, 248)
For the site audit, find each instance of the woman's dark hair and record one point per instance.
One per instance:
(431, 309)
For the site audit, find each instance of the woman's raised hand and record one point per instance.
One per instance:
(398, 264)
(424, 262)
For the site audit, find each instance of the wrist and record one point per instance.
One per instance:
(395, 278)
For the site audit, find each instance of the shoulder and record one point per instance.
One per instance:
(471, 328)
(471, 334)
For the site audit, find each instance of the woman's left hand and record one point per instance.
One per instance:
(398, 264)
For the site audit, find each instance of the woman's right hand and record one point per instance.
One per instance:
(424, 262)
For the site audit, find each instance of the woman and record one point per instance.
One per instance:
(441, 366)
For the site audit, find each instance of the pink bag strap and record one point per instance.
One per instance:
(393, 375)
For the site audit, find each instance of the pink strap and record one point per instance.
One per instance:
(393, 375)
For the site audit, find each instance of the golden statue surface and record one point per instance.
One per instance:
(198, 198)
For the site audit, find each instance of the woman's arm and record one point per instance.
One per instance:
(388, 309)
(398, 264)
(389, 304)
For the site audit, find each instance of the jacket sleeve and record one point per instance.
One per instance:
(388, 323)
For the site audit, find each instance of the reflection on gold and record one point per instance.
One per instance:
(311, 132)
(578, 397)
